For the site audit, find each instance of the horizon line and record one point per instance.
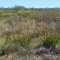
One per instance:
(26, 7)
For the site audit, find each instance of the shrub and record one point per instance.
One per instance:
(50, 41)
(19, 39)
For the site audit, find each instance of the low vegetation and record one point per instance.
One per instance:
(22, 29)
(50, 40)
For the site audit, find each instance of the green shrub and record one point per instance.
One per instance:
(19, 39)
(50, 40)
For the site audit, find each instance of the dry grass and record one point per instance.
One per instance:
(42, 57)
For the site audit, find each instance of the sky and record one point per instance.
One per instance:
(31, 3)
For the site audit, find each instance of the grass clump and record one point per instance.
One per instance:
(19, 39)
(50, 40)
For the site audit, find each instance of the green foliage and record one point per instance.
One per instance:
(19, 39)
(25, 40)
(27, 12)
(6, 14)
(24, 12)
(50, 40)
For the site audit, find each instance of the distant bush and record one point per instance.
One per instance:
(6, 14)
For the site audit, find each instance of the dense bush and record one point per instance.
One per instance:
(50, 40)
